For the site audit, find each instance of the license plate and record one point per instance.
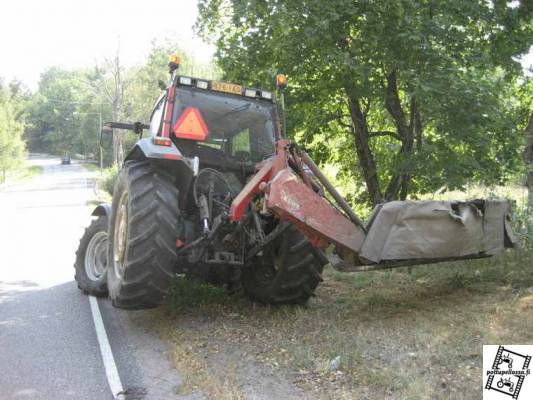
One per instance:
(226, 87)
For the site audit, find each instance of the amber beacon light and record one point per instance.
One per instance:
(173, 62)
(281, 81)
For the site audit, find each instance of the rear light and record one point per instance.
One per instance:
(266, 95)
(201, 84)
(225, 87)
(162, 141)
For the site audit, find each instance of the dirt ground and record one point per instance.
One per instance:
(376, 335)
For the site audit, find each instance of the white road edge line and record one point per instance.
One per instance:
(107, 355)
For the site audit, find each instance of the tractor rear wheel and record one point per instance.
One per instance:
(91, 258)
(143, 230)
(288, 272)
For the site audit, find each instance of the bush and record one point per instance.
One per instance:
(522, 225)
(108, 178)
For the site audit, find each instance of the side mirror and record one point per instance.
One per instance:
(106, 137)
(162, 85)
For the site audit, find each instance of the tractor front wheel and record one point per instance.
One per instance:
(91, 258)
(144, 227)
(288, 272)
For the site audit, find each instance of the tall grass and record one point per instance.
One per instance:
(108, 178)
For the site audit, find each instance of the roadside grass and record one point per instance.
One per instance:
(106, 181)
(25, 172)
(29, 172)
(383, 334)
(196, 375)
(102, 193)
(184, 294)
(90, 166)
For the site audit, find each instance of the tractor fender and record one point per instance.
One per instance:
(170, 159)
(145, 148)
(101, 210)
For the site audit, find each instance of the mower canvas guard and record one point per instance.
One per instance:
(398, 233)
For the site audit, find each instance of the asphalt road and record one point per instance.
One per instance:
(48, 343)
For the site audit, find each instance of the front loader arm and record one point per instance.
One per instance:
(265, 172)
(400, 232)
(252, 189)
(291, 198)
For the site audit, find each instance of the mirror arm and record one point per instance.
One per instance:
(136, 127)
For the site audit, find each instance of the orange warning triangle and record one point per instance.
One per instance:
(191, 125)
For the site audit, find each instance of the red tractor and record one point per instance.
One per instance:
(217, 192)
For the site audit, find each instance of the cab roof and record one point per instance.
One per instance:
(225, 87)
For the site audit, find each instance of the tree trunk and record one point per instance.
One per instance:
(418, 128)
(398, 184)
(528, 159)
(528, 153)
(111, 84)
(117, 138)
(117, 107)
(407, 132)
(361, 138)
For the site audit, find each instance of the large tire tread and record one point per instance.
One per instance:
(297, 278)
(154, 223)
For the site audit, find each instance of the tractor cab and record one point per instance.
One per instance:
(226, 126)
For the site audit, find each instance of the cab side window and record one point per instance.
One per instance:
(240, 145)
(157, 115)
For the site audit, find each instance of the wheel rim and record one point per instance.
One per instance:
(120, 239)
(96, 256)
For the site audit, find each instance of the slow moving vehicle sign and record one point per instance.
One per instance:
(191, 125)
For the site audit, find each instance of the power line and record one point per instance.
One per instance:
(78, 102)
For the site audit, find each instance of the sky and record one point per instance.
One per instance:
(36, 34)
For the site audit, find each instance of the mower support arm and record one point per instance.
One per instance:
(343, 204)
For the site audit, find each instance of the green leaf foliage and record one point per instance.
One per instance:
(402, 97)
(64, 113)
(12, 123)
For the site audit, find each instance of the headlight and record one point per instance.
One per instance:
(184, 80)
(250, 93)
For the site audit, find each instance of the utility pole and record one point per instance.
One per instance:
(111, 84)
(99, 143)
(97, 136)
(528, 159)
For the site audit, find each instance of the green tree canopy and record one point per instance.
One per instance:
(12, 146)
(64, 112)
(409, 95)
